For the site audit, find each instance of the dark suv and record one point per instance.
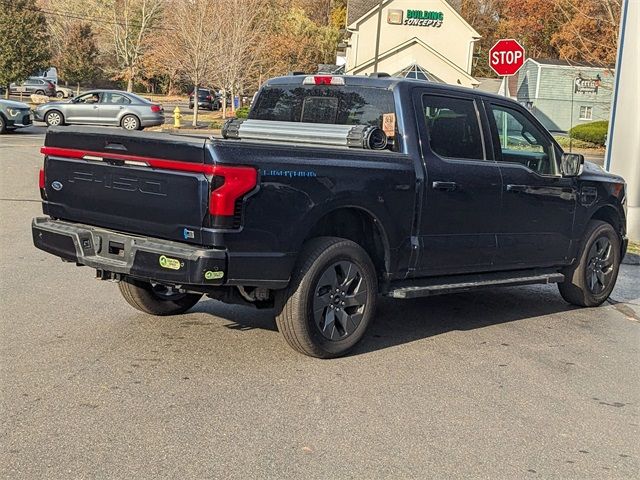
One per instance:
(206, 99)
(39, 86)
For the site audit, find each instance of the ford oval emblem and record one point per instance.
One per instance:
(57, 186)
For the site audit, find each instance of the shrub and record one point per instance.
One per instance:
(242, 112)
(594, 132)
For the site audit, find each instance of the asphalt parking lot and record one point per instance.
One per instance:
(503, 384)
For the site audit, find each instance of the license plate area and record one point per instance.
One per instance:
(116, 248)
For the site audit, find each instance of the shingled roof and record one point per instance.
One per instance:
(357, 8)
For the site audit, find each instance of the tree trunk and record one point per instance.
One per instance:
(195, 105)
(130, 83)
(78, 89)
(6, 92)
(233, 102)
(224, 104)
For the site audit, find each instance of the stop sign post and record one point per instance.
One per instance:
(506, 57)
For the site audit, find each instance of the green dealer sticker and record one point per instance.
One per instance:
(211, 275)
(170, 263)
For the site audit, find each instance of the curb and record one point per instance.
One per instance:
(631, 259)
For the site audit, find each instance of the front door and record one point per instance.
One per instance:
(84, 109)
(461, 209)
(538, 204)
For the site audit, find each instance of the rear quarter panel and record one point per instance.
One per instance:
(298, 185)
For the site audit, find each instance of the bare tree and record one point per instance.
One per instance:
(193, 47)
(132, 21)
(244, 41)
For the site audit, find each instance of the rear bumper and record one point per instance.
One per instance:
(152, 121)
(146, 258)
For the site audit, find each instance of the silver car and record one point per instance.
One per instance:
(103, 107)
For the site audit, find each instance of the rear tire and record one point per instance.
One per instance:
(150, 298)
(592, 277)
(3, 125)
(130, 122)
(39, 92)
(330, 300)
(54, 118)
(60, 94)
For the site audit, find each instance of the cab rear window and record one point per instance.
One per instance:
(339, 105)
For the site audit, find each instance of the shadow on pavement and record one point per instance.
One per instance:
(404, 321)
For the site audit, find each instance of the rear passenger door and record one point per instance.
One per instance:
(538, 203)
(111, 107)
(461, 195)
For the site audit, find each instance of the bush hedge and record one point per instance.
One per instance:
(242, 112)
(594, 132)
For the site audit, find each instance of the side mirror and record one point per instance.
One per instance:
(571, 164)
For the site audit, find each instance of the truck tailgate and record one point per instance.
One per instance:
(149, 184)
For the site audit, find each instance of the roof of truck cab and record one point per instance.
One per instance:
(388, 82)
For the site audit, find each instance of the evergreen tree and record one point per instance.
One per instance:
(25, 41)
(78, 59)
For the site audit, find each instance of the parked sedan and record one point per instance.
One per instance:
(63, 92)
(39, 86)
(103, 107)
(206, 99)
(14, 115)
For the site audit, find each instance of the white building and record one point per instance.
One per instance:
(425, 39)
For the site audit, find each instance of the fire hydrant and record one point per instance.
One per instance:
(176, 117)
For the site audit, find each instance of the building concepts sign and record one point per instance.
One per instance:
(419, 18)
(586, 85)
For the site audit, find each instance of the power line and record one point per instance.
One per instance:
(100, 20)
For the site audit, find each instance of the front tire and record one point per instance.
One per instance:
(60, 94)
(130, 122)
(330, 300)
(54, 118)
(591, 279)
(3, 125)
(156, 299)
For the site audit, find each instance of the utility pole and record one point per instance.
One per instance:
(375, 59)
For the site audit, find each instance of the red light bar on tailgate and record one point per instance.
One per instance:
(237, 180)
(323, 80)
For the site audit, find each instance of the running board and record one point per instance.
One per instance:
(463, 283)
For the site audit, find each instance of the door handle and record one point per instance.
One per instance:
(516, 188)
(115, 146)
(95, 106)
(446, 186)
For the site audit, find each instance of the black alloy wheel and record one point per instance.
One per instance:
(330, 300)
(600, 269)
(339, 301)
(591, 278)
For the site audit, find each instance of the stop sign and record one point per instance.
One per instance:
(506, 57)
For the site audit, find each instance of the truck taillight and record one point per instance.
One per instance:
(42, 184)
(236, 182)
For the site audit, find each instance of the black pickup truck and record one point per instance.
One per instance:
(337, 189)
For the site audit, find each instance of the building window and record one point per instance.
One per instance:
(586, 113)
(416, 72)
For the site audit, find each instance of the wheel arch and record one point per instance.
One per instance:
(609, 214)
(359, 225)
